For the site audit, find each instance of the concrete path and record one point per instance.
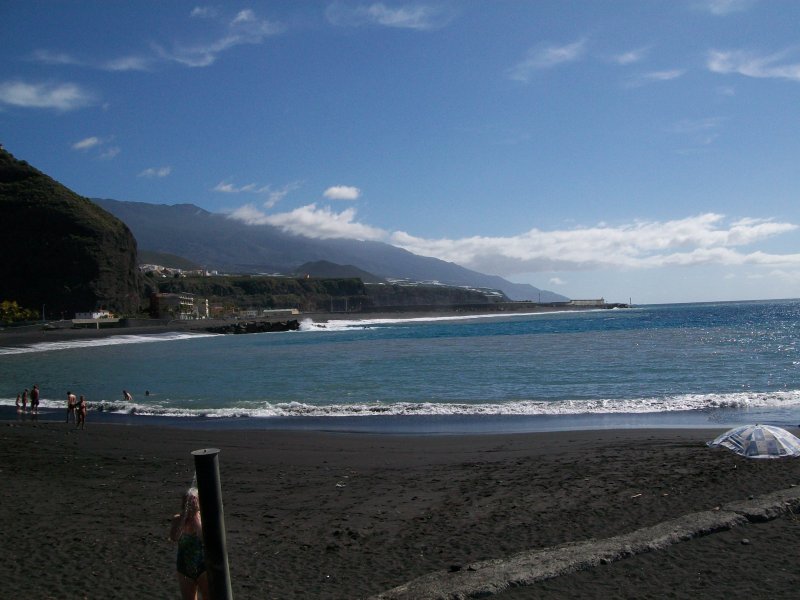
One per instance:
(487, 578)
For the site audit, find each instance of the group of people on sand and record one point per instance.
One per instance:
(25, 396)
(77, 409)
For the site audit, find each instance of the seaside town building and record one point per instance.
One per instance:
(178, 306)
(94, 319)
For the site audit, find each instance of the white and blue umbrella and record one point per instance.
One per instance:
(759, 441)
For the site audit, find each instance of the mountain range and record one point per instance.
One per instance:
(217, 242)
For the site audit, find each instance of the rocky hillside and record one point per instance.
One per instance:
(219, 243)
(60, 250)
(313, 294)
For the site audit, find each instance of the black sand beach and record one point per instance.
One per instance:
(326, 515)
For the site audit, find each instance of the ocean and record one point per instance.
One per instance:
(692, 365)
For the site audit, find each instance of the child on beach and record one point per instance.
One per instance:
(187, 531)
(19, 403)
(25, 400)
(81, 412)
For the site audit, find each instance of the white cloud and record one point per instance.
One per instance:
(311, 221)
(94, 142)
(110, 152)
(276, 195)
(244, 16)
(59, 96)
(273, 195)
(655, 77)
(643, 244)
(546, 57)
(55, 58)
(668, 75)
(772, 66)
(229, 188)
(244, 28)
(154, 172)
(125, 63)
(699, 240)
(419, 17)
(556, 281)
(631, 57)
(725, 7)
(342, 192)
(87, 143)
(203, 12)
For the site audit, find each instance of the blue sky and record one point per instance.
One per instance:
(626, 149)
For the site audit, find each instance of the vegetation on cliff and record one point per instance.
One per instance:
(11, 312)
(60, 250)
(310, 294)
(245, 291)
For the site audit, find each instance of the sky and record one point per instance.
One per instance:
(632, 150)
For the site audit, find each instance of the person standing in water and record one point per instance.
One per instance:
(25, 400)
(72, 404)
(187, 531)
(82, 409)
(126, 395)
(35, 400)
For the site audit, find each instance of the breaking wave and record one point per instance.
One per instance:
(351, 324)
(687, 402)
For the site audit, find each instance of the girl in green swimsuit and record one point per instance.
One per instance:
(187, 531)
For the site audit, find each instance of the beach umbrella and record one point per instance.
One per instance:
(759, 441)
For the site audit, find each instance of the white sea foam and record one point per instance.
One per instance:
(350, 324)
(113, 340)
(687, 402)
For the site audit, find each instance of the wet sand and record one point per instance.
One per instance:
(340, 515)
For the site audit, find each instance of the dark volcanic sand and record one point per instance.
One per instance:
(85, 514)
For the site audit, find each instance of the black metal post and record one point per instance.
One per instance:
(209, 490)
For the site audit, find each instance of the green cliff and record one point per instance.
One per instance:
(60, 250)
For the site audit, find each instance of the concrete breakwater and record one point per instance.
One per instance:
(256, 327)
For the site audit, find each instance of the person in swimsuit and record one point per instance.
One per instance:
(82, 408)
(25, 400)
(187, 531)
(72, 403)
(35, 399)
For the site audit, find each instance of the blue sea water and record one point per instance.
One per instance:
(672, 365)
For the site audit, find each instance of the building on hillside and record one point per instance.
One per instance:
(177, 306)
(97, 314)
(94, 319)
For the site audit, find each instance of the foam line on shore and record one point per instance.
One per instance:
(114, 340)
(263, 410)
(490, 577)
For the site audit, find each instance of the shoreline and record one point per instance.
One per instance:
(15, 337)
(394, 425)
(323, 515)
